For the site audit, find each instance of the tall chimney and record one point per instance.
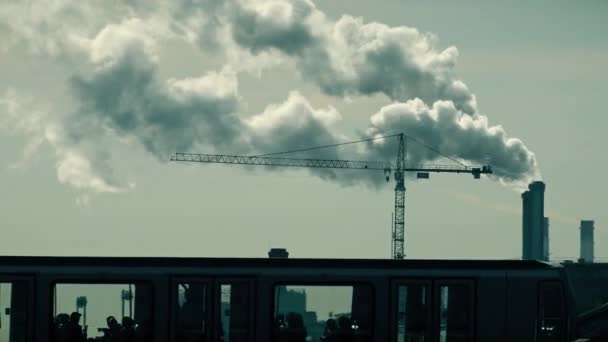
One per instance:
(533, 222)
(587, 241)
(546, 239)
(525, 240)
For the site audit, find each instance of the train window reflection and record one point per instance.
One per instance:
(13, 311)
(454, 313)
(412, 315)
(323, 313)
(102, 312)
(192, 314)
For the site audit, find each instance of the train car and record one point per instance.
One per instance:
(60, 299)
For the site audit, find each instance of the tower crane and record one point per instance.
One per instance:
(398, 168)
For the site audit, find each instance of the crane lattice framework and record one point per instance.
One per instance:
(398, 168)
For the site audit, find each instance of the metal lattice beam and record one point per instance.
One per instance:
(399, 223)
(317, 163)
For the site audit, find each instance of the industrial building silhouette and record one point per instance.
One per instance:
(535, 226)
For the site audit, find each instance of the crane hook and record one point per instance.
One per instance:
(387, 173)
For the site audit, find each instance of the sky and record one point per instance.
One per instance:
(95, 99)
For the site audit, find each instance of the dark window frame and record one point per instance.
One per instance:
(219, 281)
(327, 283)
(96, 280)
(213, 302)
(30, 298)
(564, 306)
(394, 305)
(174, 302)
(470, 284)
(433, 297)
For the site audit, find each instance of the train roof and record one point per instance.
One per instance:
(68, 261)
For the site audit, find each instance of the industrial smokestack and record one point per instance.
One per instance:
(587, 241)
(533, 222)
(546, 239)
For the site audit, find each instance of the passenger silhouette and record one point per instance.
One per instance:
(279, 327)
(345, 330)
(61, 332)
(127, 333)
(75, 330)
(143, 332)
(112, 332)
(296, 331)
(329, 334)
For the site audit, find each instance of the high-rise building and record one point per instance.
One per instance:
(587, 241)
(533, 222)
(289, 300)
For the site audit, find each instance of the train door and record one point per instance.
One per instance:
(413, 310)
(16, 309)
(453, 310)
(427, 310)
(552, 318)
(234, 310)
(212, 309)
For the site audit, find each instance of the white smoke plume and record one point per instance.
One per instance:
(350, 57)
(81, 166)
(120, 96)
(467, 137)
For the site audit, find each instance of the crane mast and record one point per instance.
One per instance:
(399, 222)
(399, 168)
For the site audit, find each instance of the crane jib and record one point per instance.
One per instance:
(323, 163)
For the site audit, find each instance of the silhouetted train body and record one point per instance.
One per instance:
(297, 300)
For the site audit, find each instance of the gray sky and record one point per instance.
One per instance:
(537, 69)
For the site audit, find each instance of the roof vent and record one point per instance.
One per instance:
(278, 253)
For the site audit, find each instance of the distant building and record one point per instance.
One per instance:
(533, 223)
(290, 300)
(587, 253)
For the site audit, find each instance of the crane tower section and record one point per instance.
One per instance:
(399, 221)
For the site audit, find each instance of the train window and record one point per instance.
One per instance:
(192, 313)
(102, 312)
(323, 313)
(13, 314)
(235, 312)
(413, 313)
(455, 312)
(551, 312)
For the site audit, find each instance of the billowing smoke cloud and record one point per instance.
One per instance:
(454, 133)
(165, 117)
(119, 95)
(293, 124)
(349, 57)
(49, 28)
(125, 96)
(81, 166)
